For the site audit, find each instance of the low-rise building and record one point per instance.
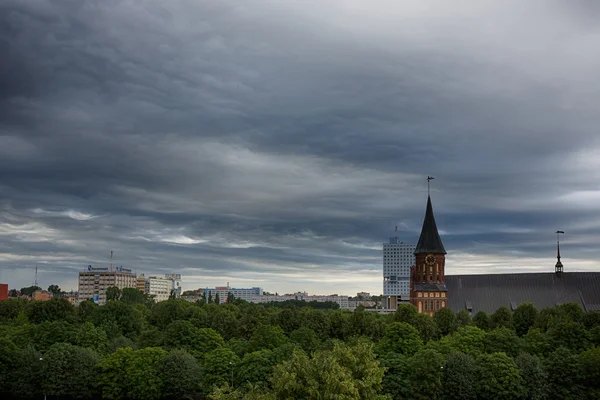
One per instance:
(156, 287)
(95, 280)
(3, 291)
(343, 301)
(41, 295)
(246, 294)
(175, 280)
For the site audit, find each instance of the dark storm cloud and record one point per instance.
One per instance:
(279, 143)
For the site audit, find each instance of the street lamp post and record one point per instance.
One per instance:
(231, 367)
(42, 359)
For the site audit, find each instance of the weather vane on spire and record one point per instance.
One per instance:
(429, 178)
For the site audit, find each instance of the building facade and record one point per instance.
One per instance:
(94, 282)
(246, 294)
(343, 301)
(3, 291)
(156, 287)
(175, 280)
(398, 258)
(428, 292)
(41, 295)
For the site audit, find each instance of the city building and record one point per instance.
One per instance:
(428, 292)
(157, 287)
(398, 258)
(488, 292)
(41, 295)
(363, 295)
(3, 291)
(95, 280)
(246, 294)
(343, 301)
(175, 283)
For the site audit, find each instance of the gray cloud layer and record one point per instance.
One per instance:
(278, 143)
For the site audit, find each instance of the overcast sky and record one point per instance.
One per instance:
(278, 143)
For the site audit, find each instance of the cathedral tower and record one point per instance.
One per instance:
(428, 291)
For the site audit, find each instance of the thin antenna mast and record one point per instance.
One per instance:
(35, 283)
(429, 178)
(111, 254)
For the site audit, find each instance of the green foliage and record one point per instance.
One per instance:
(463, 318)
(76, 363)
(426, 369)
(396, 381)
(571, 335)
(46, 334)
(28, 291)
(469, 340)
(92, 337)
(535, 378)
(482, 320)
(503, 340)
(564, 375)
(54, 289)
(27, 372)
(402, 338)
(459, 381)
(524, 317)
(536, 342)
(267, 337)
(498, 377)
(444, 319)
(217, 299)
(256, 368)
(305, 338)
(501, 318)
(113, 293)
(181, 374)
(405, 313)
(165, 312)
(10, 309)
(132, 295)
(344, 373)
(427, 328)
(218, 368)
(119, 318)
(51, 310)
(590, 368)
(133, 374)
(8, 357)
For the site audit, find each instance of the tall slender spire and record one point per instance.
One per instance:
(558, 268)
(429, 241)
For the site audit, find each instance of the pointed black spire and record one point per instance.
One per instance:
(558, 268)
(430, 241)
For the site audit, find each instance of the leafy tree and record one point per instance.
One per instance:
(426, 374)
(85, 310)
(469, 340)
(27, 373)
(119, 318)
(54, 289)
(217, 299)
(463, 318)
(498, 377)
(564, 375)
(267, 337)
(10, 308)
(459, 380)
(210, 299)
(132, 295)
(396, 381)
(402, 338)
(256, 367)
(218, 368)
(536, 342)
(230, 298)
(51, 310)
(120, 342)
(129, 374)
(444, 319)
(482, 320)
(13, 293)
(8, 358)
(591, 319)
(501, 318)
(571, 312)
(151, 337)
(318, 321)
(524, 317)
(289, 319)
(165, 312)
(92, 337)
(535, 379)
(405, 313)
(590, 368)
(305, 338)
(181, 374)
(571, 335)
(503, 340)
(428, 329)
(46, 334)
(184, 335)
(113, 293)
(338, 324)
(28, 291)
(344, 372)
(71, 371)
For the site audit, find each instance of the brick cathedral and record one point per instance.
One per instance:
(428, 292)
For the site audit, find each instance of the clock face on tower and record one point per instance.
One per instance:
(430, 259)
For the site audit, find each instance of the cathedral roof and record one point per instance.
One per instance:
(429, 241)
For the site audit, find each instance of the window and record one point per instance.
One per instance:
(419, 294)
(425, 306)
(437, 305)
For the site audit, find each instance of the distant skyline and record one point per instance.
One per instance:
(278, 144)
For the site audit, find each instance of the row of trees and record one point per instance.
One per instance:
(131, 348)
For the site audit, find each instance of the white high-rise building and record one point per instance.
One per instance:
(398, 257)
(175, 283)
(157, 287)
(94, 282)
